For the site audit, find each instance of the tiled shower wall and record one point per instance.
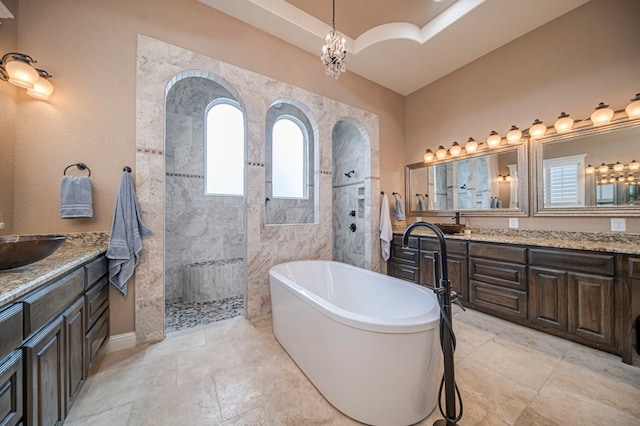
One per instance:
(348, 194)
(266, 246)
(204, 234)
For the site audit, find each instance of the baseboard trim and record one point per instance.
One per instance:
(120, 342)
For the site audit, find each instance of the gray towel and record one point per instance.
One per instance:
(421, 205)
(75, 197)
(125, 241)
(398, 212)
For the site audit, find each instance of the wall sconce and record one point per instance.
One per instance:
(618, 167)
(633, 109)
(631, 178)
(494, 139)
(455, 149)
(602, 115)
(590, 169)
(514, 135)
(612, 179)
(500, 178)
(537, 129)
(441, 153)
(564, 123)
(428, 156)
(471, 145)
(634, 165)
(19, 70)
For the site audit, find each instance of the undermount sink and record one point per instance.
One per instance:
(20, 250)
(450, 228)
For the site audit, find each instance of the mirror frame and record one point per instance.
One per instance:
(581, 128)
(521, 149)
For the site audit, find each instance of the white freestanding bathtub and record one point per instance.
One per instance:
(368, 342)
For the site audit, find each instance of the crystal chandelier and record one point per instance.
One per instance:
(334, 51)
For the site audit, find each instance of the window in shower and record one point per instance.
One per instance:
(224, 159)
(289, 150)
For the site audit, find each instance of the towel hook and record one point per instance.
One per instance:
(81, 166)
(126, 169)
(395, 194)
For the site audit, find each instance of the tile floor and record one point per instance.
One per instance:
(180, 315)
(234, 372)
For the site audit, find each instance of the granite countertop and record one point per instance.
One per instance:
(75, 251)
(613, 242)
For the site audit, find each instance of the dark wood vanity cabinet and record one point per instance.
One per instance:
(498, 280)
(48, 341)
(584, 296)
(572, 293)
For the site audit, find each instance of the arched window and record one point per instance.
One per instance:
(289, 151)
(224, 160)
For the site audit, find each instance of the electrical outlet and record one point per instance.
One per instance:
(513, 222)
(618, 225)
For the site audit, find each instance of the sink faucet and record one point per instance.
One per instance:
(456, 217)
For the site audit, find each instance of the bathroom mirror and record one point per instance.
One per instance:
(589, 172)
(489, 183)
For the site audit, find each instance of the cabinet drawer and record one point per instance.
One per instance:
(494, 251)
(414, 242)
(503, 302)
(95, 339)
(588, 263)
(11, 385)
(96, 301)
(11, 327)
(409, 256)
(404, 272)
(453, 246)
(498, 273)
(46, 303)
(95, 270)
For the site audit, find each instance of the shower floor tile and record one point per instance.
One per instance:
(180, 315)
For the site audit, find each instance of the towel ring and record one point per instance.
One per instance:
(395, 195)
(81, 166)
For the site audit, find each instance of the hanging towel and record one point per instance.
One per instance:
(127, 231)
(398, 212)
(76, 200)
(422, 205)
(386, 232)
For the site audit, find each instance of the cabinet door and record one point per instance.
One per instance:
(456, 269)
(591, 308)
(404, 272)
(74, 324)
(45, 375)
(548, 298)
(11, 394)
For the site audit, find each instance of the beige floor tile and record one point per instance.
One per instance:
(117, 415)
(253, 417)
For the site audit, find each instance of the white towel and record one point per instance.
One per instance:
(127, 230)
(398, 212)
(76, 200)
(386, 232)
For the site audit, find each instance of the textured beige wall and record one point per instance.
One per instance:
(589, 55)
(8, 117)
(90, 48)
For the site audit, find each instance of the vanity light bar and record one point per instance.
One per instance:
(602, 115)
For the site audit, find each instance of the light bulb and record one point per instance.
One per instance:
(631, 178)
(590, 169)
(508, 178)
(455, 149)
(603, 168)
(494, 139)
(471, 145)
(602, 115)
(633, 109)
(500, 178)
(621, 179)
(564, 123)
(428, 156)
(537, 129)
(634, 165)
(612, 179)
(42, 89)
(441, 152)
(514, 135)
(618, 167)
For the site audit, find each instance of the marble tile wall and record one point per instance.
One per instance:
(158, 64)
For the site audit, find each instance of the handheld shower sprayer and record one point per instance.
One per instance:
(348, 174)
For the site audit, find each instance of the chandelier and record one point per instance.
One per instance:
(334, 51)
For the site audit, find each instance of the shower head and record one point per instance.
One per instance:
(348, 174)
